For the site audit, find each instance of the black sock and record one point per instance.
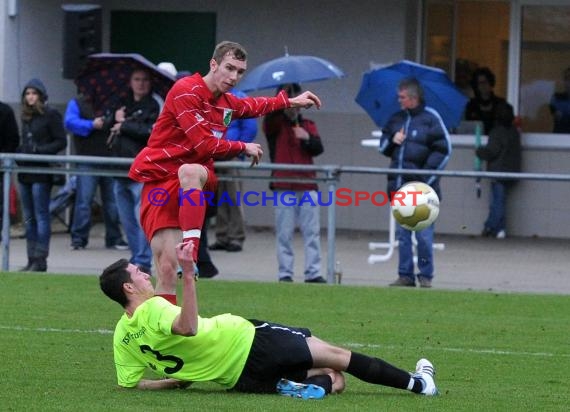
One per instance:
(418, 386)
(374, 370)
(324, 381)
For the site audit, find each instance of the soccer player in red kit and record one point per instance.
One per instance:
(176, 166)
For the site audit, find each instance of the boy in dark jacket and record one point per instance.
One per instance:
(503, 154)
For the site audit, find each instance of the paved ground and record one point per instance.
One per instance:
(509, 265)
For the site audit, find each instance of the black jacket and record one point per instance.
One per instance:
(136, 129)
(9, 136)
(43, 134)
(475, 111)
(427, 146)
(503, 150)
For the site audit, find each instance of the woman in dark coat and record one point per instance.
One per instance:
(42, 133)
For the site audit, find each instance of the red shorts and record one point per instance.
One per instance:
(159, 203)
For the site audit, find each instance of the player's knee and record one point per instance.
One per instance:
(192, 176)
(166, 272)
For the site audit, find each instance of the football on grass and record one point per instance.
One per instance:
(415, 205)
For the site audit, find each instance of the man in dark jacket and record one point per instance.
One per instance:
(503, 154)
(415, 138)
(294, 139)
(134, 119)
(9, 140)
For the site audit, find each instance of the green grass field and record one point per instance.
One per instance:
(492, 352)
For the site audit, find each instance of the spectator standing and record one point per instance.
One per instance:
(178, 159)
(230, 223)
(9, 141)
(293, 139)
(482, 105)
(502, 154)
(90, 132)
(42, 133)
(134, 119)
(415, 138)
(560, 106)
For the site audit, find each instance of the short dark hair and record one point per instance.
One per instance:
(482, 71)
(112, 280)
(413, 86)
(229, 47)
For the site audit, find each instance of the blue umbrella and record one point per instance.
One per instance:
(378, 92)
(289, 69)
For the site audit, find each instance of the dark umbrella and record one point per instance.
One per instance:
(105, 77)
(378, 92)
(289, 69)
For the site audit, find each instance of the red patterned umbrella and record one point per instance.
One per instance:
(105, 77)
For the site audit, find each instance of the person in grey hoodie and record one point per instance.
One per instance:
(42, 133)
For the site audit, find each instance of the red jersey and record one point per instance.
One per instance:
(192, 126)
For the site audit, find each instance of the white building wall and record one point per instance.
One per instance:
(349, 33)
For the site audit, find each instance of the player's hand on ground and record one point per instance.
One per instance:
(306, 99)
(254, 151)
(184, 252)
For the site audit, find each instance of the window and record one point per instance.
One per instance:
(464, 35)
(545, 54)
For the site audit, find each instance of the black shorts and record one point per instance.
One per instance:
(277, 351)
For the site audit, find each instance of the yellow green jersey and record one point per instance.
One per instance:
(218, 352)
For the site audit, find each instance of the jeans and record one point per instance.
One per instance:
(230, 225)
(308, 217)
(85, 192)
(128, 197)
(496, 220)
(406, 253)
(35, 207)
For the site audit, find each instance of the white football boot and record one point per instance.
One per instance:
(425, 372)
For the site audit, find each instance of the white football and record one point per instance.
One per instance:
(415, 205)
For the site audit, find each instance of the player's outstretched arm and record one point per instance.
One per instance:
(154, 384)
(186, 324)
(305, 100)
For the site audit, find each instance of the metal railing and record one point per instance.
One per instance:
(328, 174)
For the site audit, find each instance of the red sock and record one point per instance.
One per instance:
(191, 213)
(169, 297)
